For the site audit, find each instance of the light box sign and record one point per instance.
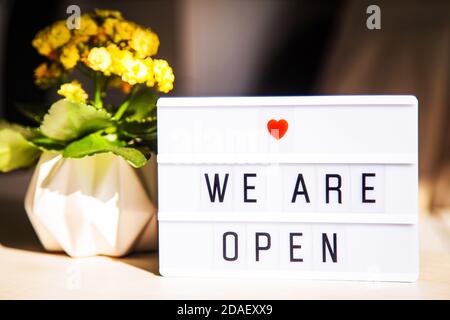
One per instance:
(311, 187)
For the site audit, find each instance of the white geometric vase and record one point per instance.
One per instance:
(97, 205)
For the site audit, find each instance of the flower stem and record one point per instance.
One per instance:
(98, 91)
(124, 106)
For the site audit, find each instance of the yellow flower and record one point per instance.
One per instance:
(41, 70)
(88, 27)
(99, 59)
(47, 75)
(118, 30)
(107, 43)
(124, 30)
(51, 38)
(121, 60)
(41, 43)
(109, 26)
(145, 42)
(163, 75)
(58, 34)
(108, 14)
(79, 39)
(150, 81)
(73, 91)
(69, 56)
(136, 72)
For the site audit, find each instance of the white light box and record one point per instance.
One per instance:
(308, 187)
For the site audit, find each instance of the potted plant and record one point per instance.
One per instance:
(87, 196)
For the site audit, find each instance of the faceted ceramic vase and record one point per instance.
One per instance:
(97, 205)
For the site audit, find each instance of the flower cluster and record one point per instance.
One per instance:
(119, 49)
(47, 74)
(114, 53)
(73, 91)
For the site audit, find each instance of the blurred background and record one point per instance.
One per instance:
(264, 47)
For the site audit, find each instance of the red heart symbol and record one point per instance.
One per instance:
(277, 128)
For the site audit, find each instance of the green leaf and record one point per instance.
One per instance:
(35, 137)
(15, 151)
(146, 151)
(26, 132)
(46, 143)
(143, 130)
(67, 120)
(98, 143)
(142, 105)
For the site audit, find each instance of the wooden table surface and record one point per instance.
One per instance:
(27, 272)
